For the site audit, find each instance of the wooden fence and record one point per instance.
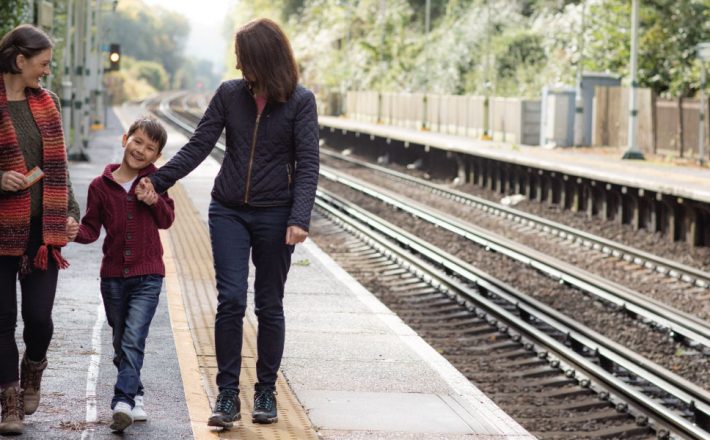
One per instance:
(511, 119)
(667, 127)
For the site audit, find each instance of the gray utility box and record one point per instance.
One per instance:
(558, 104)
(557, 117)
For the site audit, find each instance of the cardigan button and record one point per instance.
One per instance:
(129, 236)
(130, 216)
(125, 271)
(128, 252)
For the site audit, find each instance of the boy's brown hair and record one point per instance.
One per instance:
(264, 52)
(152, 128)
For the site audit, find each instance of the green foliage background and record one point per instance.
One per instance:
(12, 13)
(510, 47)
(505, 47)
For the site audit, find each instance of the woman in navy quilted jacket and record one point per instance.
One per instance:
(261, 202)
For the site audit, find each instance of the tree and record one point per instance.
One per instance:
(669, 30)
(13, 13)
(149, 33)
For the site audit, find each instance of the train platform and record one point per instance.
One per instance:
(686, 180)
(351, 370)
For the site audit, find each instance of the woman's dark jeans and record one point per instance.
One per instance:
(130, 305)
(235, 232)
(38, 290)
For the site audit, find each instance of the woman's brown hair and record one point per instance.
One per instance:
(265, 56)
(25, 39)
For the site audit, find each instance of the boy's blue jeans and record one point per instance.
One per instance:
(130, 304)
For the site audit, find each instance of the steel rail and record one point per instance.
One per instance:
(650, 261)
(680, 324)
(574, 364)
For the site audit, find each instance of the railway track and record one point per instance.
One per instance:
(557, 377)
(683, 326)
(692, 276)
(481, 324)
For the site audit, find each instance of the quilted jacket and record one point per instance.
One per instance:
(271, 159)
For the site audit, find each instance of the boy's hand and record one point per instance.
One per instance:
(13, 181)
(145, 185)
(72, 228)
(148, 197)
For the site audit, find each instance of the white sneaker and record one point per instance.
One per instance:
(138, 413)
(122, 417)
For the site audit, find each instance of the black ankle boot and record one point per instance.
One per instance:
(264, 406)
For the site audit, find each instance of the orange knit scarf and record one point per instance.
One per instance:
(15, 207)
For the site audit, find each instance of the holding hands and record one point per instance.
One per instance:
(72, 228)
(145, 192)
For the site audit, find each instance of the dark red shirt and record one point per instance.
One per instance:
(132, 244)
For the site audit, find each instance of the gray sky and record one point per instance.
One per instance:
(206, 20)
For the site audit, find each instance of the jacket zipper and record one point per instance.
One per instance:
(251, 159)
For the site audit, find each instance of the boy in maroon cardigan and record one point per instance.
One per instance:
(132, 268)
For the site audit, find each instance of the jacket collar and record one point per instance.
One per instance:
(110, 168)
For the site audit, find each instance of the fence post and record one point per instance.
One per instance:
(701, 124)
(654, 122)
(379, 107)
(679, 126)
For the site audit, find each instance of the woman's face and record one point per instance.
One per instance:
(33, 69)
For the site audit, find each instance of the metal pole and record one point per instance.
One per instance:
(579, 98)
(425, 113)
(701, 129)
(98, 71)
(88, 71)
(66, 78)
(633, 152)
(487, 84)
(77, 151)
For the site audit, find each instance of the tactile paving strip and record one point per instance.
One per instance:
(189, 245)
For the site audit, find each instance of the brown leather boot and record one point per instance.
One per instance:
(12, 411)
(30, 380)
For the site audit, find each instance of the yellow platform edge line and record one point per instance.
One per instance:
(197, 377)
(198, 404)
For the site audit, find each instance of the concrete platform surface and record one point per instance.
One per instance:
(353, 364)
(357, 370)
(691, 182)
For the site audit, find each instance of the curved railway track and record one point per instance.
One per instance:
(584, 379)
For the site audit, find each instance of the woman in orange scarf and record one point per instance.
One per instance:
(38, 214)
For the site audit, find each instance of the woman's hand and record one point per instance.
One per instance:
(295, 235)
(13, 181)
(72, 228)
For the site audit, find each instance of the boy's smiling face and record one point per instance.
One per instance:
(140, 150)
